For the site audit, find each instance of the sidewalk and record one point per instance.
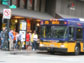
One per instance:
(23, 52)
(18, 52)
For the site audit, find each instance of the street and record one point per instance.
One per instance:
(52, 25)
(40, 57)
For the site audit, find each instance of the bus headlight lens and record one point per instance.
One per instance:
(41, 45)
(62, 46)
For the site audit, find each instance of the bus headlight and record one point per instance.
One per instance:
(41, 45)
(62, 46)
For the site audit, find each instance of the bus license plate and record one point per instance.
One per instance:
(52, 45)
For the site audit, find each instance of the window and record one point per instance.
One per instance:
(71, 33)
(56, 32)
(46, 31)
(59, 32)
(79, 34)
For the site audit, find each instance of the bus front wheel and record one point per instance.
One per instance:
(51, 51)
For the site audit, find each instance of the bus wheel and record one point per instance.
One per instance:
(77, 50)
(51, 52)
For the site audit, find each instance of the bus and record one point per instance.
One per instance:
(62, 35)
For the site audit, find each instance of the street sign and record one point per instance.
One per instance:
(12, 7)
(6, 13)
(5, 2)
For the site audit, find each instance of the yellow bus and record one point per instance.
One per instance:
(62, 35)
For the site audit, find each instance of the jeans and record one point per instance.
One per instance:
(34, 45)
(2, 43)
(16, 44)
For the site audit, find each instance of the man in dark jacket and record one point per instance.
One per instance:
(3, 36)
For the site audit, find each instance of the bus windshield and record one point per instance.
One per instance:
(56, 32)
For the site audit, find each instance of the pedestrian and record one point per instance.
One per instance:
(27, 39)
(30, 33)
(11, 38)
(17, 39)
(3, 37)
(14, 34)
(35, 39)
(32, 41)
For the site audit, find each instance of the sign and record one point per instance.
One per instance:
(5, 2)
(55, 22)
(23, 35)
(23, 25)
(12, 7)
(7, 14)
(46, 22)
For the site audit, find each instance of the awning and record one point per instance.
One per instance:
(27, 13)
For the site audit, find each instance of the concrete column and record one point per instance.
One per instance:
(14, 2)
(21, 4)
(36, 6)
(29, 5)
(43, 4)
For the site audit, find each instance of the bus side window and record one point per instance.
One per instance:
(71, 33)
(79, 34)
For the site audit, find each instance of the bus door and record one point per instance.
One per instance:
(79, 35)
(71, 34)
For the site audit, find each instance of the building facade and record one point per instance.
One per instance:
(74, 8)
(56, 8)
(36, 5)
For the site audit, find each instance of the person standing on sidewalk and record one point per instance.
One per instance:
(35, 39)
(27, 39)
(3, 33)
(32, 41)
(14, 34)
(11, 38)
(17, 39)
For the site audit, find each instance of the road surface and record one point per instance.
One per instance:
(40, 57)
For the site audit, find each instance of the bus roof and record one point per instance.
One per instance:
(69, 19)
(72, 21)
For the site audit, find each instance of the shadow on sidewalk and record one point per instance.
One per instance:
(22, 52)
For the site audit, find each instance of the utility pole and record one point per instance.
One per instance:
(7, 4)
(7, 16)
(8, 23)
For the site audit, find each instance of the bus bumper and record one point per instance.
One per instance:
(53, 49)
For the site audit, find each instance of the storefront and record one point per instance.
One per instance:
(32, 24)
(23, 25)
(31, 18)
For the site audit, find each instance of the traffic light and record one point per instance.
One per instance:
(5, 2)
